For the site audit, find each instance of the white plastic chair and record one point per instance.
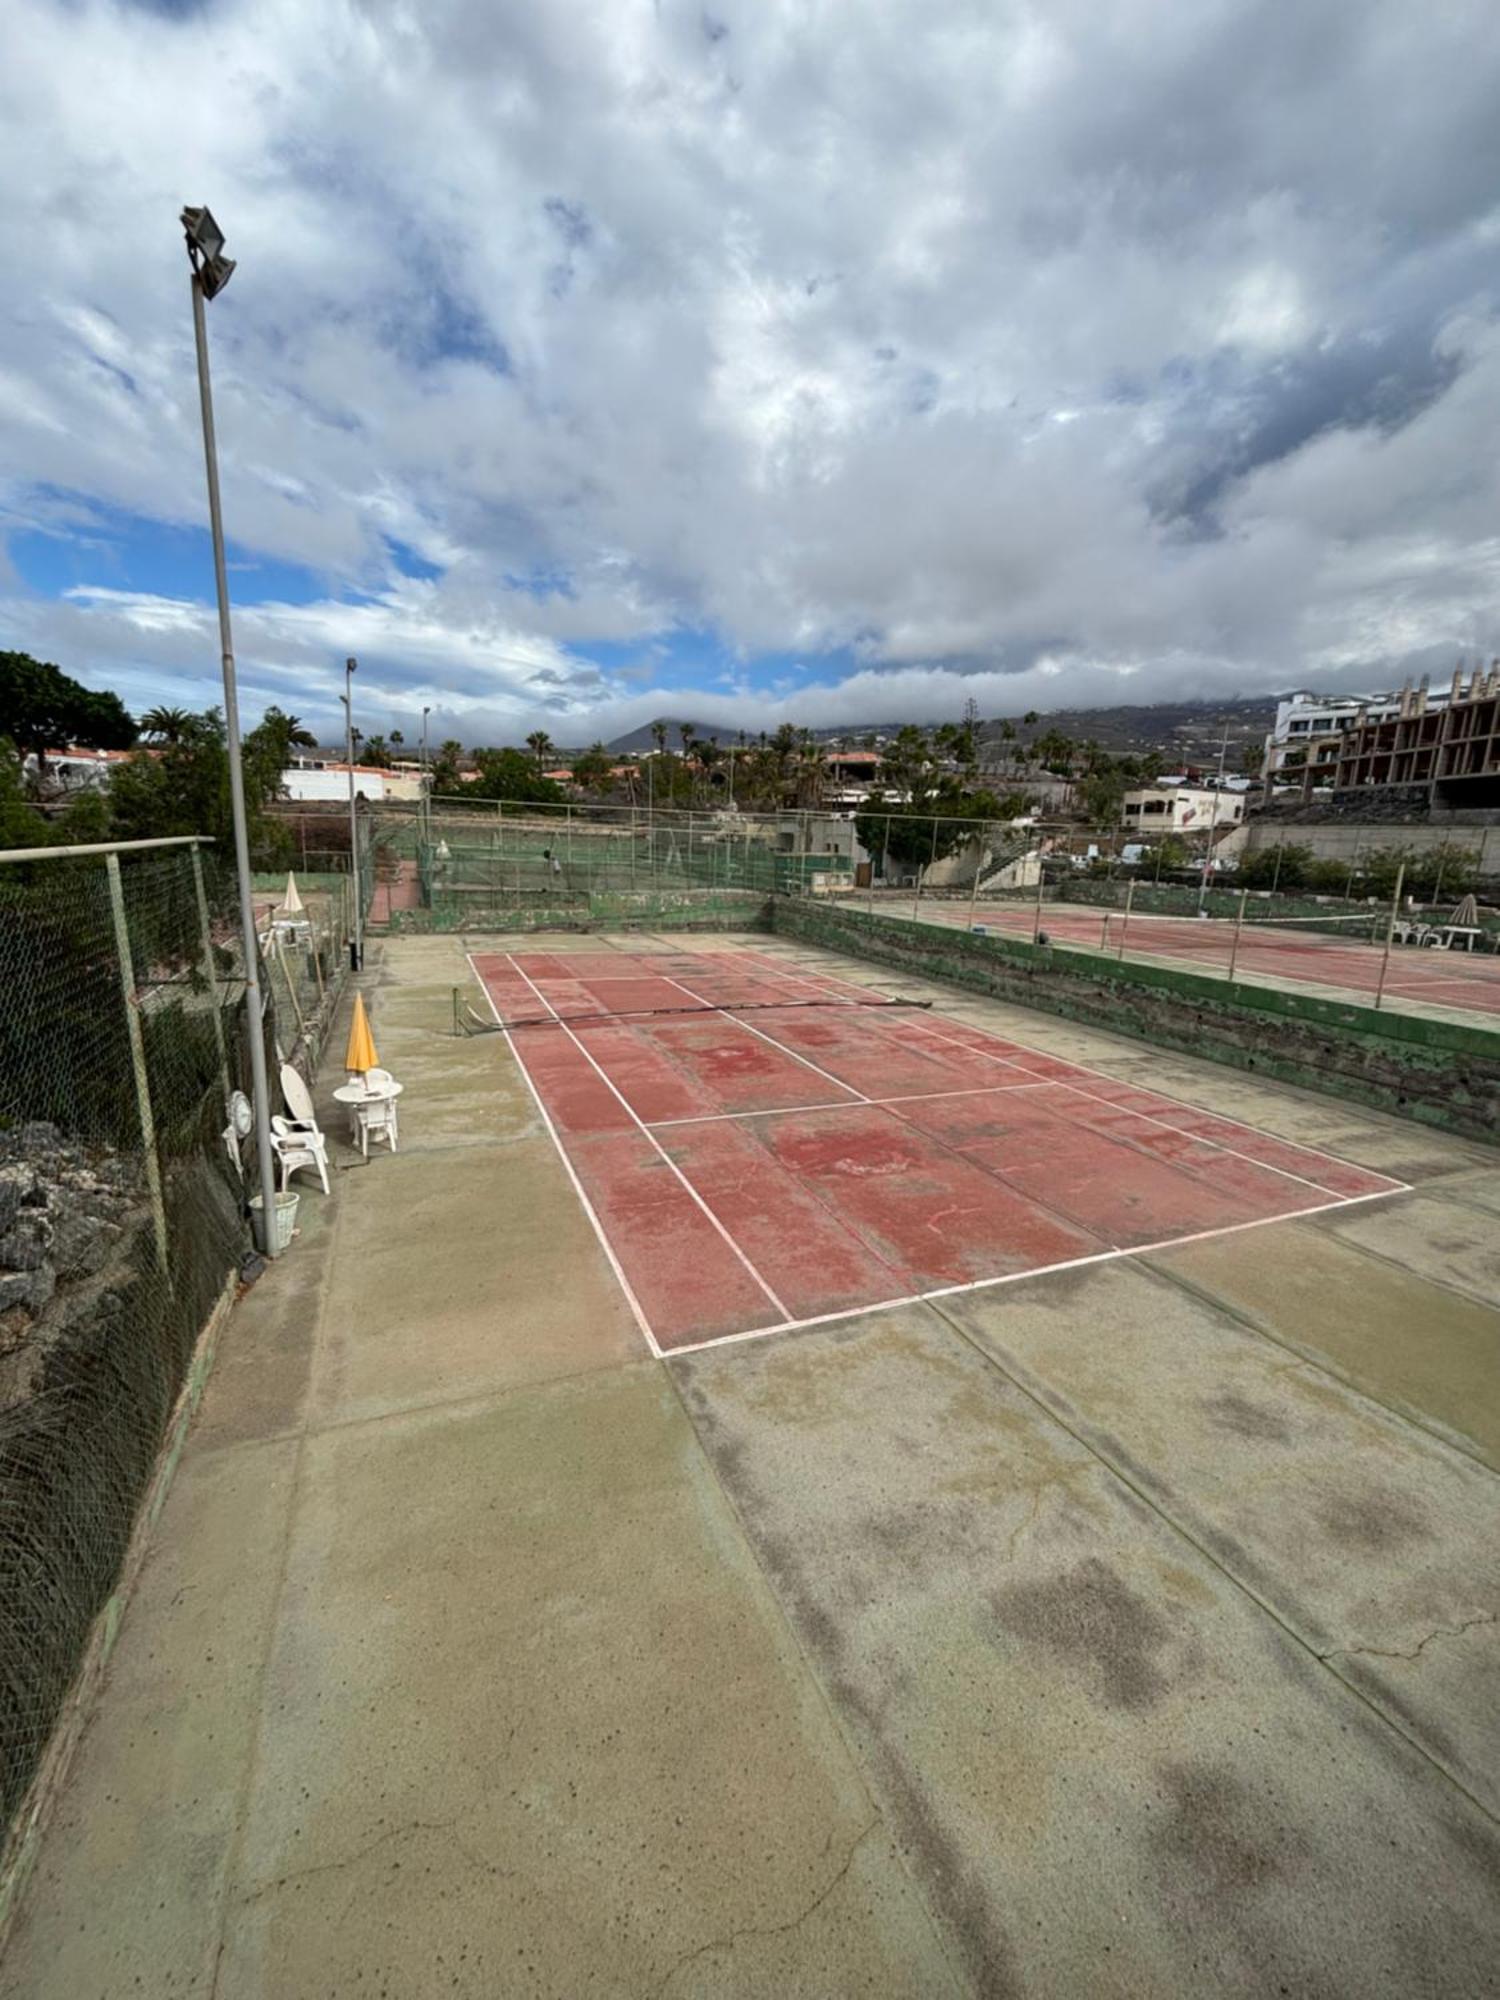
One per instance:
(295, 1148)
(378, 1115)
(298, 1141)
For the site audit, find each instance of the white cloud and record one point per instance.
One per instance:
(1020, 351)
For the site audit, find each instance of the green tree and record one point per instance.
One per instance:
(398, 741)
(284, 734)
(377, 753)
(594, 769)
(539, 743)
(511, 774)
(1285, 866)
(446, 765)
(165, 725)
(184, 788)
(42, 709)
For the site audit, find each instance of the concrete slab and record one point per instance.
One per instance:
(1443, 1241)
(535, 1725)
(128, 1891)
(1112, 1773)
(1373, 1542)
(1419, 1348)
(463, 1271)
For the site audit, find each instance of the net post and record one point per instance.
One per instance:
(979, 853)
(138, 1060)
(206, 940)
(1390, 934)
(1125, 919)
(1234, 942)
(1276, 871)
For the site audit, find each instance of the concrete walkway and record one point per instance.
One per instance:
(1131, 1630)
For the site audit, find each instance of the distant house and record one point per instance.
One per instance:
(77, 769)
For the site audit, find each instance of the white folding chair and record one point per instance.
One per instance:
(300, 1134)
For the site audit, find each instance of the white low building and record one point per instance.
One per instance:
(1189, 809)
(307, 783)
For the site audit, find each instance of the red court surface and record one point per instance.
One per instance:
(759, 1149)
(1432, 977)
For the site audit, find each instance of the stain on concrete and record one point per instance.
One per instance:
(1216, 1837)
(1092, 1621)
(1246, 1418)
(1374, 1521)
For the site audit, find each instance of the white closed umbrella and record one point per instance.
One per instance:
(291, 902)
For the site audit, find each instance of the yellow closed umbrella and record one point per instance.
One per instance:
(360, 1054)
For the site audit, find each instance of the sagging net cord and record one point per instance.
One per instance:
(475, 1024)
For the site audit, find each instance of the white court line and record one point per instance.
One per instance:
(806, 1061)
(588, 1207)
(641, 1126)
(1243, 1125)
(840, 1104)
(1037, 1271)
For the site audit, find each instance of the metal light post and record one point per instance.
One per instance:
(357, 942)
(211, 273)
(426, 780)
(1213, 821)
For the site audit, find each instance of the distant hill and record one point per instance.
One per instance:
(1191, 729)
(642, 739)
(1195, 729)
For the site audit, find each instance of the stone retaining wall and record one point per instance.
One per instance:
(1436, 1072)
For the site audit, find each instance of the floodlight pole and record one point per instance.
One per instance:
(260, 1095)
(426, 813)
(357, 942)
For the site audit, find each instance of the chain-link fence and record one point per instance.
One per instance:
(503, 864)
(122, 1203)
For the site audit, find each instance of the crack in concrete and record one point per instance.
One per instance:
(769, 1930)
(1394, 1653)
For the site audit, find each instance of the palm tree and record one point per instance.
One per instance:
(539, 743)
(377, 753)
(167, 725)
(659, 737)
(397, 739)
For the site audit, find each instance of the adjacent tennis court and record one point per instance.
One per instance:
(1324, 951)
(761, 1150)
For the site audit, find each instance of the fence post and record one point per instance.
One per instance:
(1125, 919)
(1353, 865)
(138, 1058)
(1234, 942)
(979, 854)
(205, 931)
(1276, 871)
(1390, 933)
(1041, 883)
(921, 872)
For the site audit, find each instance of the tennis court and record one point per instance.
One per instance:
(1325, 951)
(761, 1150)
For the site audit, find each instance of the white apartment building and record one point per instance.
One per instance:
(1158, 809)
(1311, 725)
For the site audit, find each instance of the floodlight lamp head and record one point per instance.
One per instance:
(205, 243)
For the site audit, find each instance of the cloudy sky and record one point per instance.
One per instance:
(603, 358)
